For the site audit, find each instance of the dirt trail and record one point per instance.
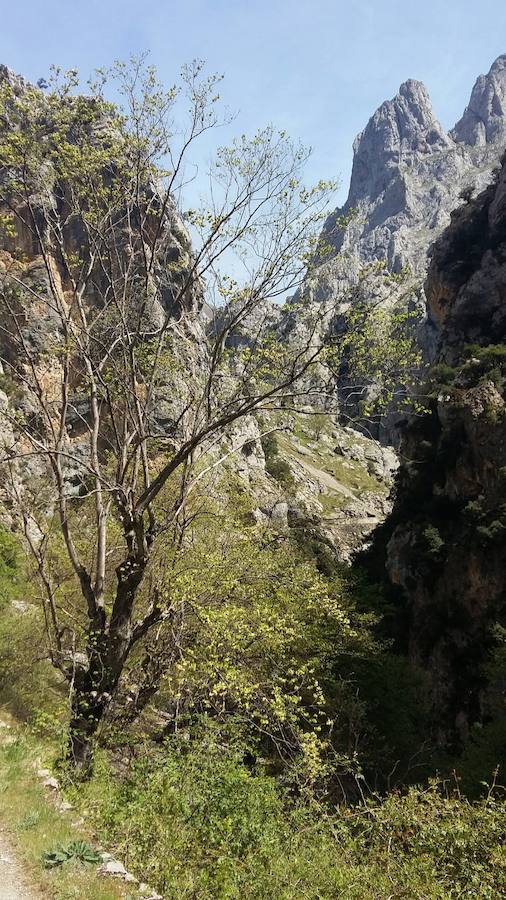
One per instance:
(328, 480)
(14, 884)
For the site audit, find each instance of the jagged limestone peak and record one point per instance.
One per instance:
(484, 119)
(400, 129)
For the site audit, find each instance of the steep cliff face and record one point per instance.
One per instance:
(444, 542)
(408, 172)
(40, 231)
(484, 119)
(408, 175)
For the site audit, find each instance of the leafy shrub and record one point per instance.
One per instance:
(433, 542)
(198, 823)
(276, 467)
(489, 356)
(492, 532)
(74, 851)
(280, 470)
(10, 566)
(269, 445)
(474, 509)
(26, 679)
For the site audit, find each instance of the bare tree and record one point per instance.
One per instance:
(122, 396)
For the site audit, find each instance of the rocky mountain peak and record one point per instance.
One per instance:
(408, 172)
(400, 129)
(484, 119)
(16, 82)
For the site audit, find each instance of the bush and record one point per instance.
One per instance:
(433, 542)
(27, 680)
(276, 467)
(10, 567)
(198, 823)
(492, 532)
(280, 470)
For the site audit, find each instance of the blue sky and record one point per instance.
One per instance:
(317, 69)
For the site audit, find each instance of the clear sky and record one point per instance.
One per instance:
(317, 69)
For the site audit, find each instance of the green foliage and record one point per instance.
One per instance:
(489, 356)
(74, 851)
(275, 466)
(382, 352)
(10, 566)
(26, 679)
(30, 820)
(474, 509)
(479, 364)
(317, 424)
(280, 470)
(484, 755)
(395, 722)
(494, 531)
(197, 822)
(262, 628)
(440, 376)
(433, 542)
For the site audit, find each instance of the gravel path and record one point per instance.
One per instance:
(14, 884)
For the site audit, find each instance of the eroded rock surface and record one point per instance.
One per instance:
(408, 176)
(443, 544)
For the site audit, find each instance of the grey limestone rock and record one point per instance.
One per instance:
(408, 176)
(408, 173)
(484, 119)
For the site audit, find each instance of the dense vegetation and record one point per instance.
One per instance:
(230, 708)
(277, 759)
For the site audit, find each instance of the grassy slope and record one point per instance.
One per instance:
(37, 826)
(344, 480)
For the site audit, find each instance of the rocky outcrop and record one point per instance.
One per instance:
(408, 173)
(466, 282)
(401, 133)
(29, 299)
(443, 545)
(408, 176)
(484, 119)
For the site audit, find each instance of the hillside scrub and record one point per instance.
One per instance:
(200, 822)
(234, 795)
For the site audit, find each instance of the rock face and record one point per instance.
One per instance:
(21, 262)
(400, 132)
(408, 172)
(467, 276)
(484, 120)
(443, 544)
(408, 176)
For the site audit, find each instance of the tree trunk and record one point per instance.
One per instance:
(95, 685)
(87, 714)
(81, 747)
